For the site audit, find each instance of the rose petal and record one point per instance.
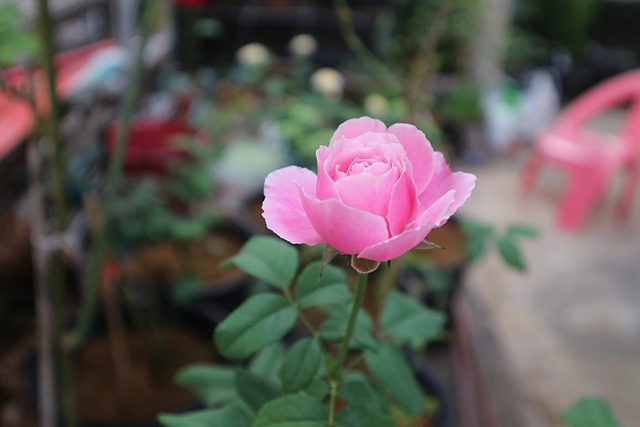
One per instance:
(403, 204)
(367, 192)
(444, 180)
(337, 161)
(367, 148)
(397, 245)
(282, 207)
(325, 188)
(347, 229)
(355, 127)
(437, 212)
(410, 238)
(419, 152)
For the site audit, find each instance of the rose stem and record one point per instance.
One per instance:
(336, 376)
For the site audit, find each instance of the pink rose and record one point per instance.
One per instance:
(378, 192)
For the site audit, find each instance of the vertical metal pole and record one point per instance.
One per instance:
(47, 395)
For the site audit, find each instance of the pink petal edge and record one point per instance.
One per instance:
(397, 245)
(419, 152)
(356, 127)
(282, 207)
(443, 181)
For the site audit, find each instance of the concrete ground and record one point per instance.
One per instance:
(570, 326)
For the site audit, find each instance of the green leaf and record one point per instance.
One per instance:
(300, 365)
(254, 390)
(478, 229)
(267, 362)
(477, 234)
(590, 412)
(269, 259)
(522, 230)
(334, 328)
(9, 15)
(17, 45)
(358, 390)
(25, 44)
(261, 320)
(233, 415)
(318, 389)
(294, 410)
(213, 385)
(410, 322)
(330, 288)
(362, 416)
(475, 248)
(510, 253)
(390, 369)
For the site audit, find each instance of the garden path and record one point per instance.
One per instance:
(570, 326)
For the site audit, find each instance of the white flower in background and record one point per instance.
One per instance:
(328, 81)
(303, 45)
(376, 104)
(253, 54)
(244, 163)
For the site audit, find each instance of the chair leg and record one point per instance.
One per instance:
(582, 194)
(625, 203)
(530, 171)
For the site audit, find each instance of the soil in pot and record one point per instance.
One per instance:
(147, 388)
(249, 216)
(165, 262)
(15, 259)
(17, 341)
(204, 257)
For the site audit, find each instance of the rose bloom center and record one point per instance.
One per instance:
(374, 167)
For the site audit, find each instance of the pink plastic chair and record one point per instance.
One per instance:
(591, 158)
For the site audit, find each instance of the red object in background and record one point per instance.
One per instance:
(191, 3)
(111, 272)
(151, 145)
(16, 117)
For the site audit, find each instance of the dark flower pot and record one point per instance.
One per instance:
(435, 276)
(154, 356)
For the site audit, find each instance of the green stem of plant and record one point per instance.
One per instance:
(314, 333)
(333, 387)
(58, 165)
(65, 366)
(358, 47)
(361, 285)
(336, 374)
(57, 171)
(112, 181)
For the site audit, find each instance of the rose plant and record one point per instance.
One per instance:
(377, 194)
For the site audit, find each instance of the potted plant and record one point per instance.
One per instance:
(172, 235)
